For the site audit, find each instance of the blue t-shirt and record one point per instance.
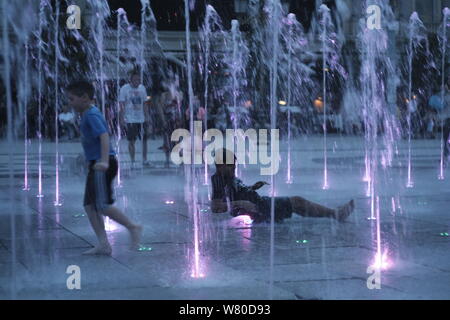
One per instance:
(435, 102)
(92, 126)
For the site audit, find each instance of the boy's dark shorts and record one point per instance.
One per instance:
(99, 191)
(283, 210)
(137, 130)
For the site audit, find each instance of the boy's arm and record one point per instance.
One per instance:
(121, 113)
(259, 185)
(104, 161)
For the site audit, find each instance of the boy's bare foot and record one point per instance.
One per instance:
(104, 250)
(342, 213)
(136, 234)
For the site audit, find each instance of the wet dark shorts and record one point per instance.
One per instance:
(137, 130)
(283, 210)
(99, 191)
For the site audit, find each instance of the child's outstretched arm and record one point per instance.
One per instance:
(103, 164)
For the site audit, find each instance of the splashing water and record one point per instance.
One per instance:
(374, 46)
(443, 42)
(56, 44)
(7, 79)
(417, 36)
(24, 98)
(196, 269)
(275, 25)
(325, 22)
(293, 70)
(42, 7)
(210, 33)
(121, 17)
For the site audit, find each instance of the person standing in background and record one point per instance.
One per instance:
(133, 115)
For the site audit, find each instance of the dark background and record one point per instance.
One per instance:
(170, 13)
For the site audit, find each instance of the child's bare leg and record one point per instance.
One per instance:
(307, 208)
(144, 150)
(132, 150)
(135, 230)
(98, 225)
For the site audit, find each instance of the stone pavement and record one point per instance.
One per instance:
(314, 258)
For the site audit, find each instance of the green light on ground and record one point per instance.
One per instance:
(444, 234)
(143, 248)
(79, 215)
(302, 241)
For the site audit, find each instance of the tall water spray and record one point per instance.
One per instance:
(295, 77)
(443, 44)
(56, 44)
(274, 41)
(144, 18)
(42, 6)
(375, 63)
(23, 93)
(234, 36)
(331, 70)
(121, 18)
(102, 12)
(196, 270)
(291, 20)
(9, 114)
(237, 63)
(416, 37)
(325, 23)
(211, 27)
(234, 59)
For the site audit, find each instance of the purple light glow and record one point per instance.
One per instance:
(381, 261)
(325, 186)
(246, 220)
(197, 275)
(110, 225)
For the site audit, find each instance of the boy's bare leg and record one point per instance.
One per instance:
(132, 150)
(134, 229)
(307, 208)
(97, 223)
(144, 150)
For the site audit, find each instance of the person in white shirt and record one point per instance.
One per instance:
(134, 112)
(67, 122)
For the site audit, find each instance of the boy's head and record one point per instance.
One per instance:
(135, 79)
(80, 95)
(224, 167)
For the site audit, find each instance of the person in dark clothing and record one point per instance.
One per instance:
(229, 194)
(169, 111)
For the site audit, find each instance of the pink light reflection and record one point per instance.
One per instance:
(246, 220)
(110, 225)
(197, 275)
(381, 261)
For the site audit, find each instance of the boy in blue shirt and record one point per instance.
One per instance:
(103, 166)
